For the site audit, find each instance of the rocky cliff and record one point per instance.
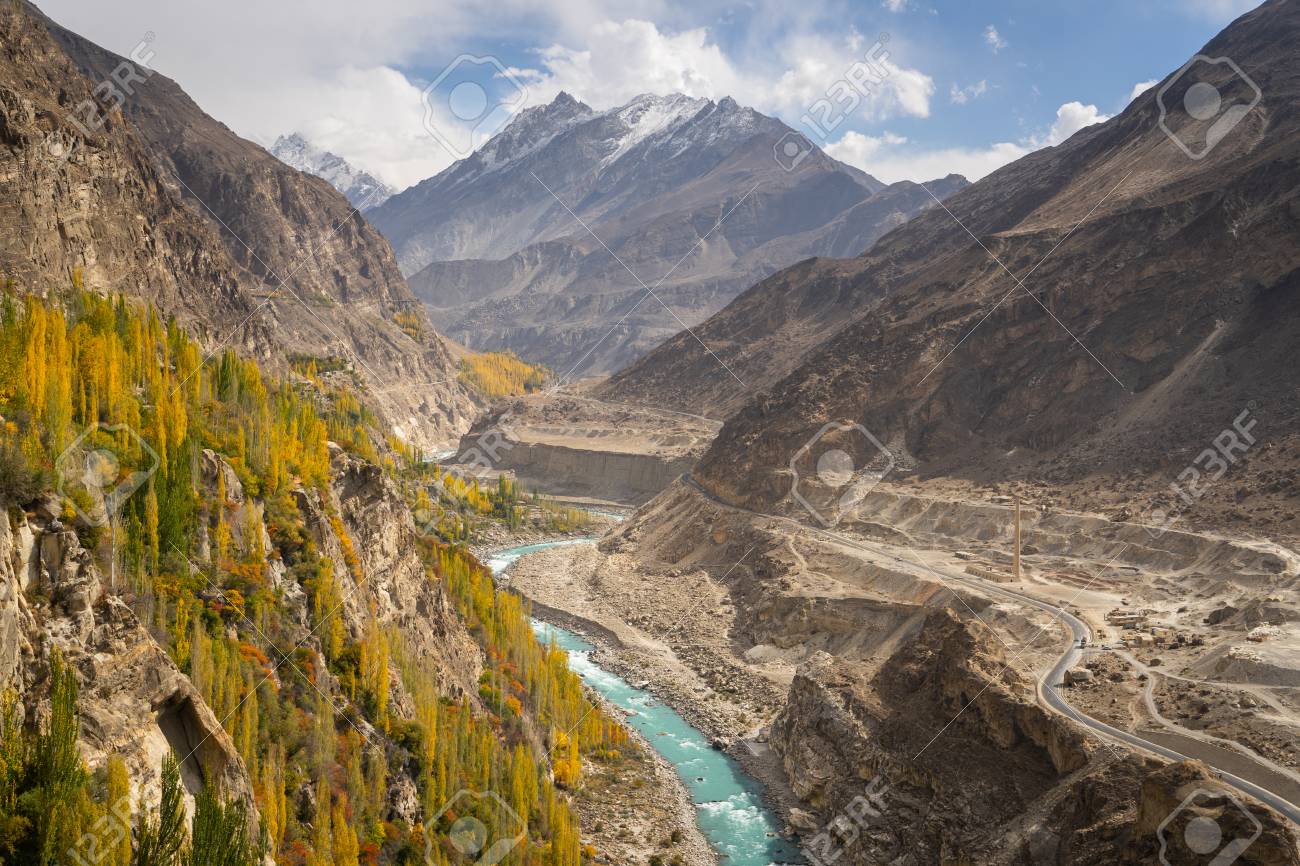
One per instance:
(133, 189)
(135, 703)
(1013, 786)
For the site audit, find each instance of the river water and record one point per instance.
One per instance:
(728, 803)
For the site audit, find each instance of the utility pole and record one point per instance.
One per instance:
(1015, 556)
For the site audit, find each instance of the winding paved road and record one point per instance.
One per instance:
(1048, 693)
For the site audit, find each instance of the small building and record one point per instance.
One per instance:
(990, 572)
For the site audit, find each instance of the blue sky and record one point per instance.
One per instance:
(968, 86)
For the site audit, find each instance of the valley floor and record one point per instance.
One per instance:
(718, 611)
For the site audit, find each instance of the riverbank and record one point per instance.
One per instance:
(669, 642)
(636, 809)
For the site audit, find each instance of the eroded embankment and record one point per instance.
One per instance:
(566, 445)
(886, 675)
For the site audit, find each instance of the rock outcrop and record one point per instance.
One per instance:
(394, 584)
(135, 703)
(1003, 782)
(1183, 805)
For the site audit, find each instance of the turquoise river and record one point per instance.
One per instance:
(728, 803)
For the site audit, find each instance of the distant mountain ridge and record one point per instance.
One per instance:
(363, 189)
(546, 239)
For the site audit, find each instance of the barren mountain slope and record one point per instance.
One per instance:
(766, 331)
(303, 267)
(1161, 300)
(545, 239)
(96, 210)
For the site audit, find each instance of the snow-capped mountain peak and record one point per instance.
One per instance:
(363, 189)
(649, 115)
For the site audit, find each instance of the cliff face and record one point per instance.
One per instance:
(393, 581)
(93, 208)
(573, 446)
(1003, 783)
(135, 703)
(155, 199)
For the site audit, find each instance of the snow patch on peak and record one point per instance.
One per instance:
(528, 131)
(362, 189)
(649, 115)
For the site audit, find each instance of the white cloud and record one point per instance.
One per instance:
(891, 157)
(344, 80)
(894, 5)
(1070, 118)
(994, 39)
(1142, 87)
(620, 60)
(963, 95)
(266, 69)
(320, 67)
